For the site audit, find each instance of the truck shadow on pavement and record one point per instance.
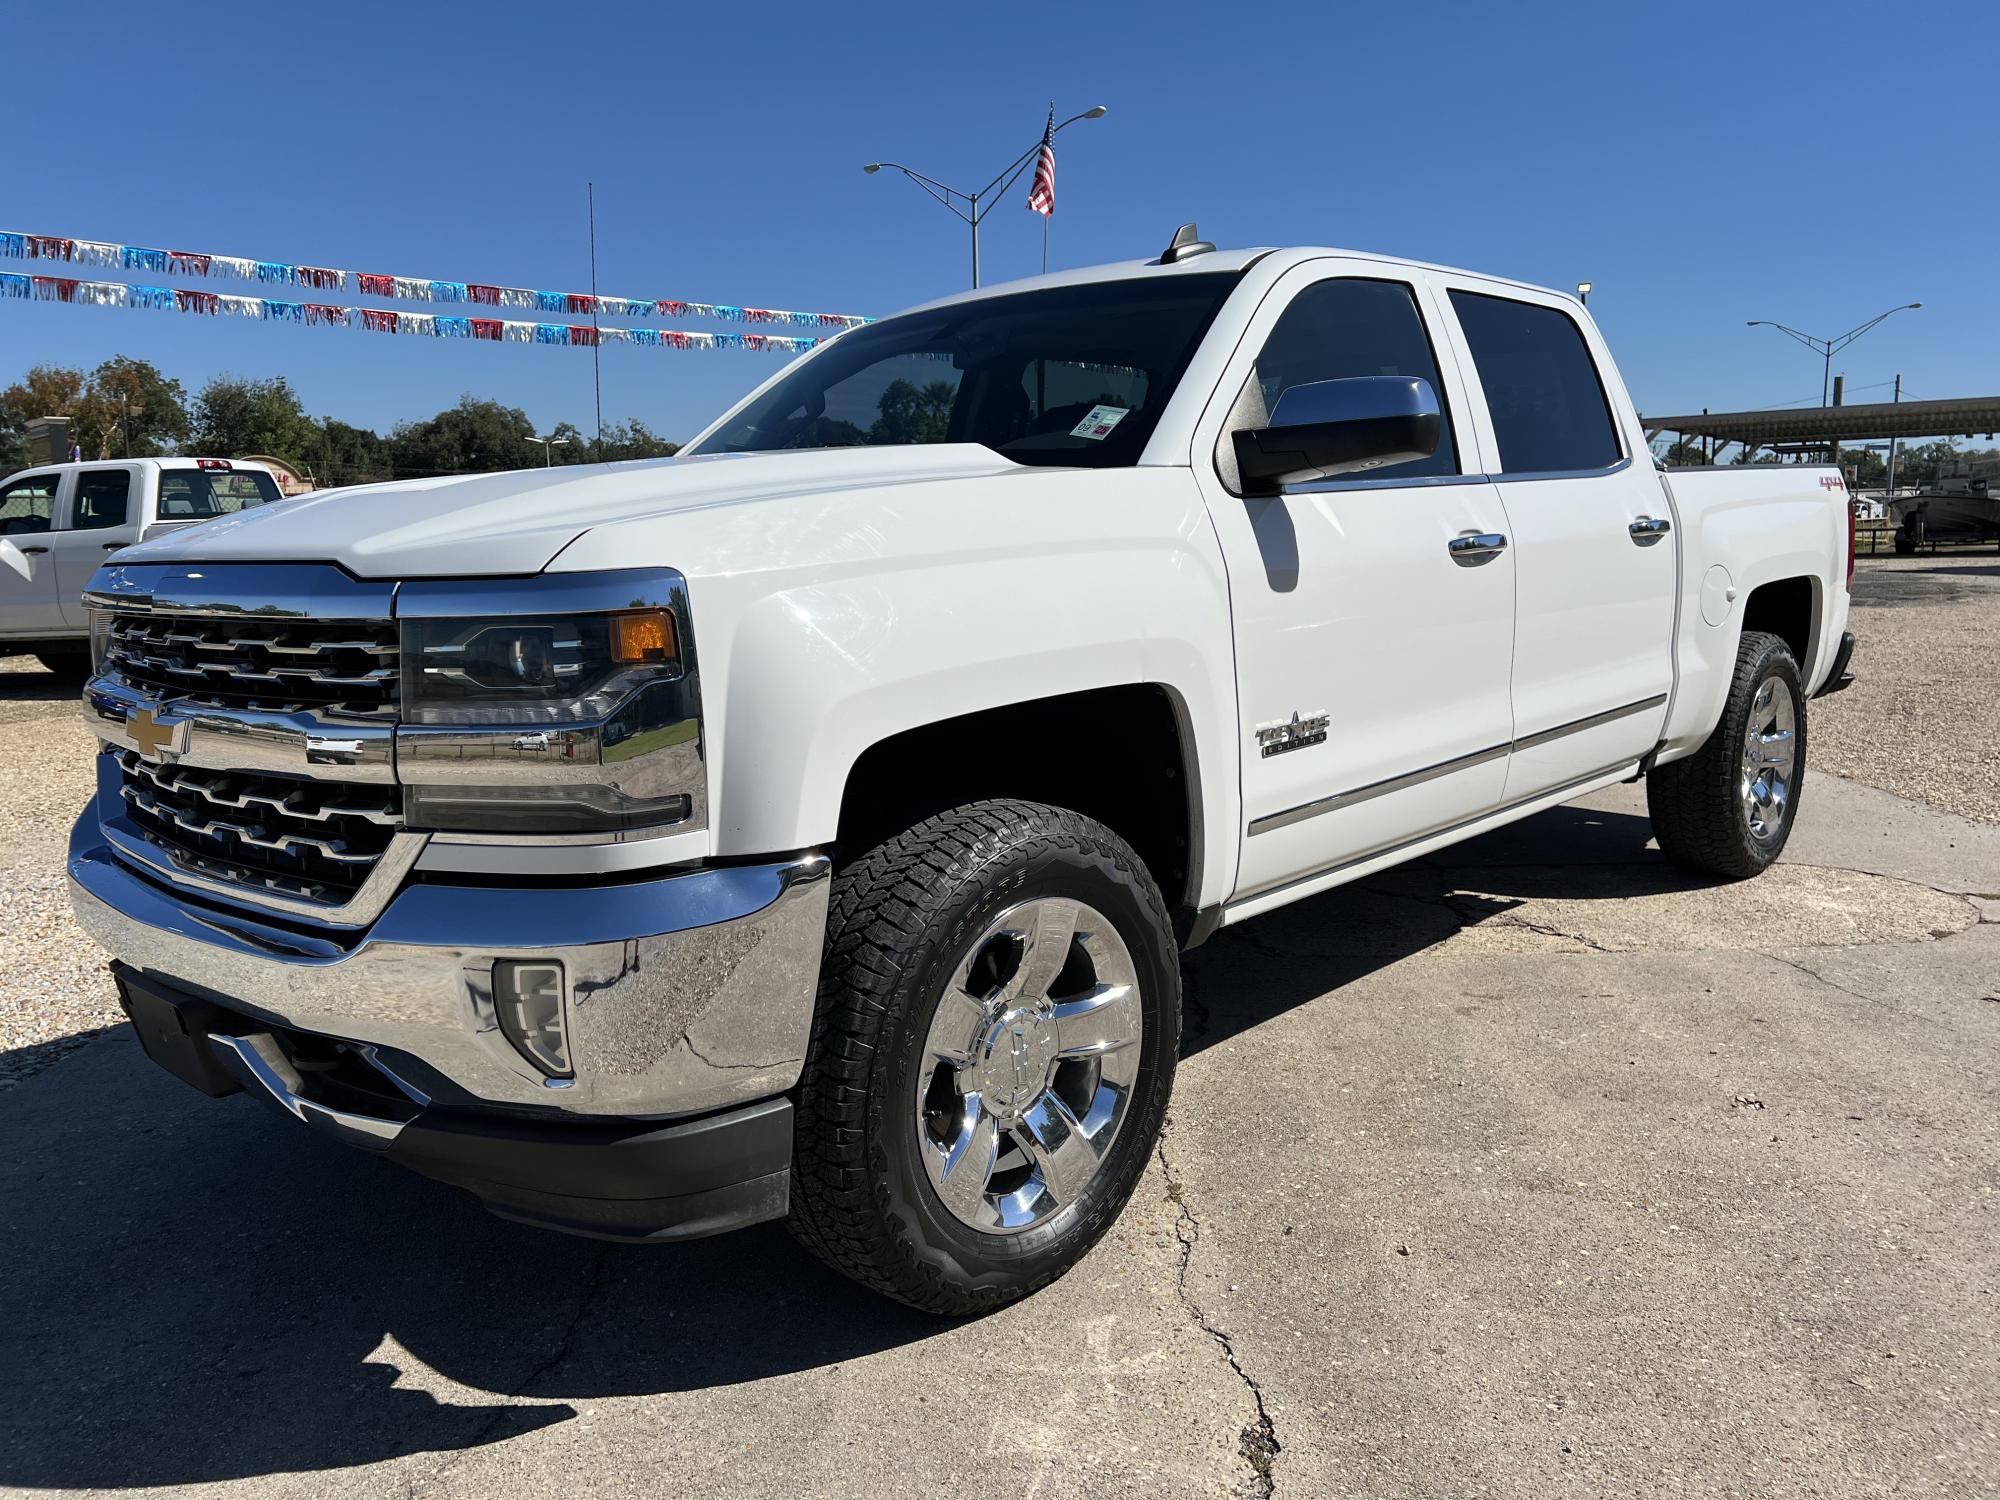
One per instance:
(194, 1291)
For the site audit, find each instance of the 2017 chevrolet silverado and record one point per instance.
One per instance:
(809, 826)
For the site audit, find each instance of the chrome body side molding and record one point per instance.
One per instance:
(1375, 789)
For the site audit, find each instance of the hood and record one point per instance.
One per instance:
(515, 523)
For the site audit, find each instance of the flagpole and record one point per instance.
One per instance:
(1045, 244)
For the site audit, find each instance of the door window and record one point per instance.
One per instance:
(1548, 406)
(1335, 330)
(29, 505)
(201, 494)
(103, 498)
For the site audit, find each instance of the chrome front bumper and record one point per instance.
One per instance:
(687, 993)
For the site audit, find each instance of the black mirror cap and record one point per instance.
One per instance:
(1333, 427)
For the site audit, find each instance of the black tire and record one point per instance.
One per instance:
(902, 917)
(1699, 812)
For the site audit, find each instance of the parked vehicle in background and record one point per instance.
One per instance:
(810, 826)
(1958, 506)
(59, 522)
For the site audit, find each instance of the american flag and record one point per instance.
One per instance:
(1042, 196)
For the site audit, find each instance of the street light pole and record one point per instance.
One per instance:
(979, 204)
(549, 446)
(1827, 348)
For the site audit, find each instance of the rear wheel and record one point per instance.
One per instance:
(1728, 808)
(999, 1016)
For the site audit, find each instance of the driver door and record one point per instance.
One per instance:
(1372, 655)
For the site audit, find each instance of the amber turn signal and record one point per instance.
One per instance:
(644, 636)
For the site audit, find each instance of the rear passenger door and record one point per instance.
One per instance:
(102, 516)
(27, 572)
(1594, 554)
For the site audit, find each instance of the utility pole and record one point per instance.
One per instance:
(1896, 399)
(596, 363)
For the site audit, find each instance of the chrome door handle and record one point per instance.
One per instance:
(1469, 546)
(1646, 528)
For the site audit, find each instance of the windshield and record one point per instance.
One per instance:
(1074, 376)
(199, 494)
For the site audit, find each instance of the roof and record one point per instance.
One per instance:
(1213, 260)
(1966, 416)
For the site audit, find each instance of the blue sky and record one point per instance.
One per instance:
(1702, 165)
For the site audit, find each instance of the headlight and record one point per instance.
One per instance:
(562, 704)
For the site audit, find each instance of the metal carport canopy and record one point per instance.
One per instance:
(1966, 417)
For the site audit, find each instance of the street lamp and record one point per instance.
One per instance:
(1583, 293)
(973, 212)
(549, 446)
(1827, 348)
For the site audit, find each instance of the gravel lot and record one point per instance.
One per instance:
(1922, 720)
(1923, 717)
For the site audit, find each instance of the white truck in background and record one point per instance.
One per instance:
(809, 826)
(59, 522)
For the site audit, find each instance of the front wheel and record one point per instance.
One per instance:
(1728, 808)
(999, 1016)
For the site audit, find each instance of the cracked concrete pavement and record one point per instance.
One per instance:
(1533, 1169)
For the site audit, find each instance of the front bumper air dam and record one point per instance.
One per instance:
(689, 1001)
(618, 1180)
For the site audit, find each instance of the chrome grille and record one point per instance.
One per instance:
(347, 667)
(317, 840)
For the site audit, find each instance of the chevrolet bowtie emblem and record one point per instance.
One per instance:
(153, 735)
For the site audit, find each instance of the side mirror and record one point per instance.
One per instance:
(1334, 427)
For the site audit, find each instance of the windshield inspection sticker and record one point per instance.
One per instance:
(1099, 422)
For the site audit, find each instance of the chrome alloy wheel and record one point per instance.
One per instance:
(1028, 1070)
(1770, 759)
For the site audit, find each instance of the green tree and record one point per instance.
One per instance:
(632, 439)
(145, 410)
(350, 455)
(1686, 454)
(473, 437)
(234, 418)
(910, 415)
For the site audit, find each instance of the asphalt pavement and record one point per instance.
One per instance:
(1536, 1169)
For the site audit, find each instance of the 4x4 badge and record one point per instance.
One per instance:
(154, 736)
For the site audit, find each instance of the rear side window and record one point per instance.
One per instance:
(1334, 330)
(102, 496)
(199, 494)
(1548, 406)
(29, 505)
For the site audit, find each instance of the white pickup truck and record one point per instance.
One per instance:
(58, 522)
(809, 826)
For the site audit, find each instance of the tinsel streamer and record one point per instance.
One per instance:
(649, 336)
(139, 258)
(194, 302)
(12, 285)
(319, 278)
(374, 286)
(454, 328)
(423, 323)
(13, 244)
(160, 297)
(448, 291)
(485, 328)
(96, 253)
(325, 312)
(518, 333)
(407, 289)
(55, 288)
(551, 302)
(187, 262)
(614, 335)
(285, 312)
(231, 266)
(582, 333)
(101, 293)
(50, 247)
(271, 270)
(240, 307)
(551, 333)
(479, 291)
(380, 319)
(576, 302)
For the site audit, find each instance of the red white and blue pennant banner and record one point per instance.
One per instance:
(379, 319)
(398, 288)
